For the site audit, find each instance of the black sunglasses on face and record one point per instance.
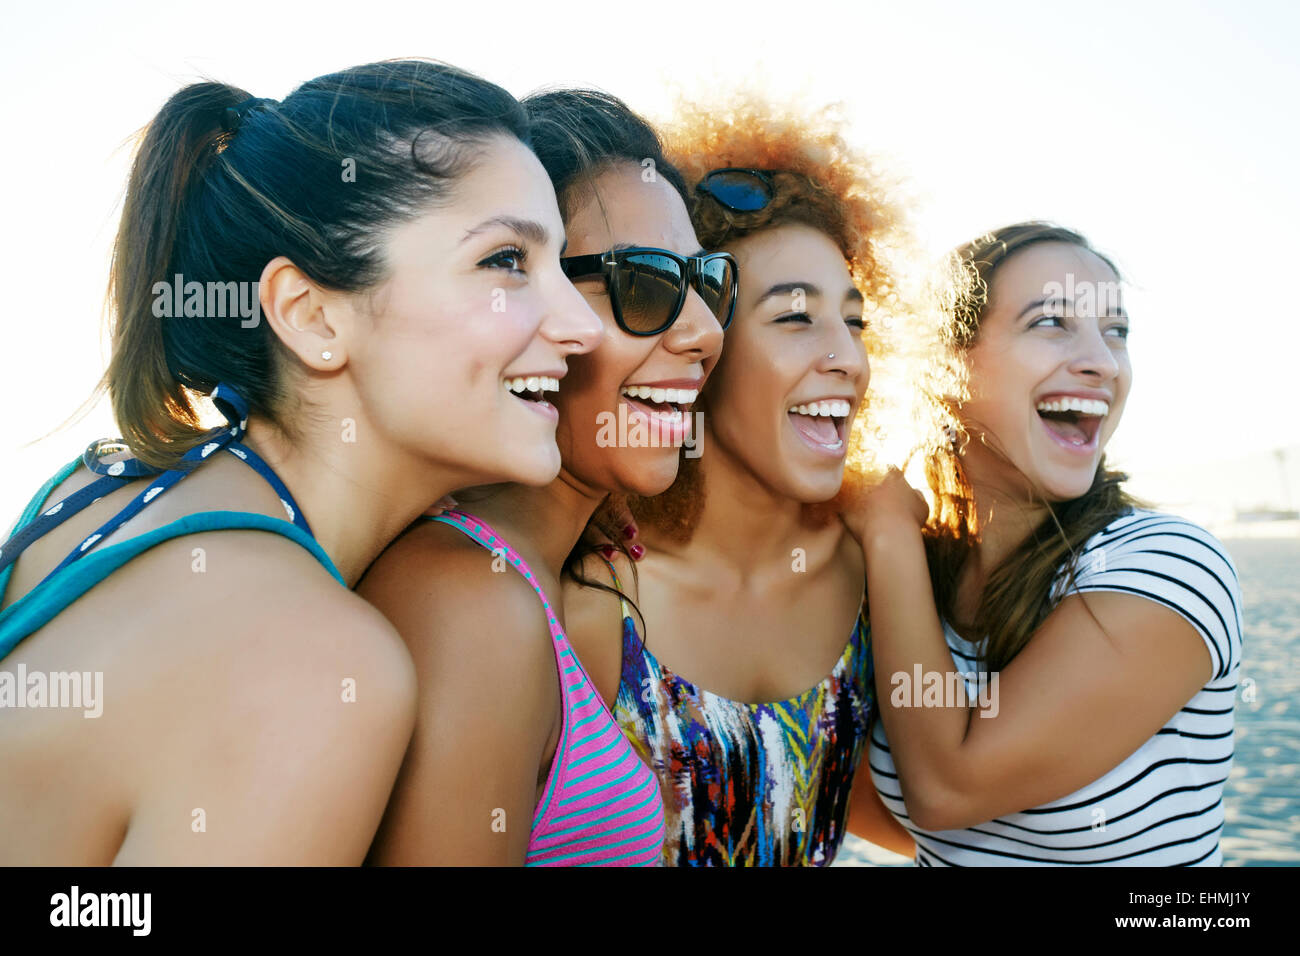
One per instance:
(738, 190)
(648, 287)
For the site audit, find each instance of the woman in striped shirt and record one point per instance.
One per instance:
(515, 757)
(1098, 643)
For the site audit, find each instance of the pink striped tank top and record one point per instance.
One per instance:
(601, 805)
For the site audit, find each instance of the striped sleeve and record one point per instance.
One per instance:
(1176, 563)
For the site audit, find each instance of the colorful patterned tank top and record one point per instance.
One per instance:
(600, 805)
(749, 784)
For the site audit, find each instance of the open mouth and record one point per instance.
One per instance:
(823, 425)
(532, 390)
(1074, 422)
(665, 404)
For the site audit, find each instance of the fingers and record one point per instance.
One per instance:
(613, 521)
(445, 503)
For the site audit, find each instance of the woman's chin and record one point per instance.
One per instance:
(538, 470)
(1066, 487)
(652, 475)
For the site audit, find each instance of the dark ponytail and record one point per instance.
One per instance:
(153, 409)
(319, 178)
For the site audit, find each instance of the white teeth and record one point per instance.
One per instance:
(673, 396)
(1085, 406)
(533, 383)
(831, 408)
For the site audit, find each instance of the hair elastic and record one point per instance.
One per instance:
(234, 115)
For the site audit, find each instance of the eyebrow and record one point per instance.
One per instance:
(810, 290)
(530, 229)
(1039, 303)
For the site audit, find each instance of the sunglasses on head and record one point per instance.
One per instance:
(648, 287)
(738, 190)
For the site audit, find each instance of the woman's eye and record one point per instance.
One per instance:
(795, 317)
(856, 321)
(1059, 320)
(1118, 331)
(512, 258)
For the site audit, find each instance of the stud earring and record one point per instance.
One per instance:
(327, 355)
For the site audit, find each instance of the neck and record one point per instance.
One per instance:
(745, 524)
(546, 521)
(1007, 514)
(356, 502)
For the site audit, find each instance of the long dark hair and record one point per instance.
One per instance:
(214, 200)
(1018, 594)
(579, 134)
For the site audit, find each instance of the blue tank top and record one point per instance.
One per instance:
(87, 565)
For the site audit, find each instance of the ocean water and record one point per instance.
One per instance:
(1262, 795)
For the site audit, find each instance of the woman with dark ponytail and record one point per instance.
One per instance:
(364, 280)
(1057, 682)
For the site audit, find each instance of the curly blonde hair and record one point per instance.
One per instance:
(819, 180)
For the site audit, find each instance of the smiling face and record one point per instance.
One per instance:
(1049, 371)
(473, 321)
(779, 403)
(646, 382)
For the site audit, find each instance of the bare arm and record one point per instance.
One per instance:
(871, 820)
(488, 703)
(1084, 694)
(275, 733)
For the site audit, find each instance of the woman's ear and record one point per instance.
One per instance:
(312, 323)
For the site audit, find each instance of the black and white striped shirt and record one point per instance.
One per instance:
(1163, 805)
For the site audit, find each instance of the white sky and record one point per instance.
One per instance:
(1166, 132)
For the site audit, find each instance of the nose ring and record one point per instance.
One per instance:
(831, 355)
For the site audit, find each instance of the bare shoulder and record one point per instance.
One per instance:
(591, 605)
(595, 570)
(460, 607)
(594, 619)
(283, 625)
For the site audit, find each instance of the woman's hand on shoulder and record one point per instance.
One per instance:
(889, 505)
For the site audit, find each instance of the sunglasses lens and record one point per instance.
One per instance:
(738, 189)
(648, 287)
(716, 287)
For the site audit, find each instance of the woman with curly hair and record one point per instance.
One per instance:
(748, 688)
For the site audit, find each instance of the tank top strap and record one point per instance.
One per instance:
(39, 606)
(479, 531)
(114, 475)
(622, 601)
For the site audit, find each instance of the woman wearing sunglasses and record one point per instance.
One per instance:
(1089, 648)
(748, 688)
(234, 673)
(515, 758)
